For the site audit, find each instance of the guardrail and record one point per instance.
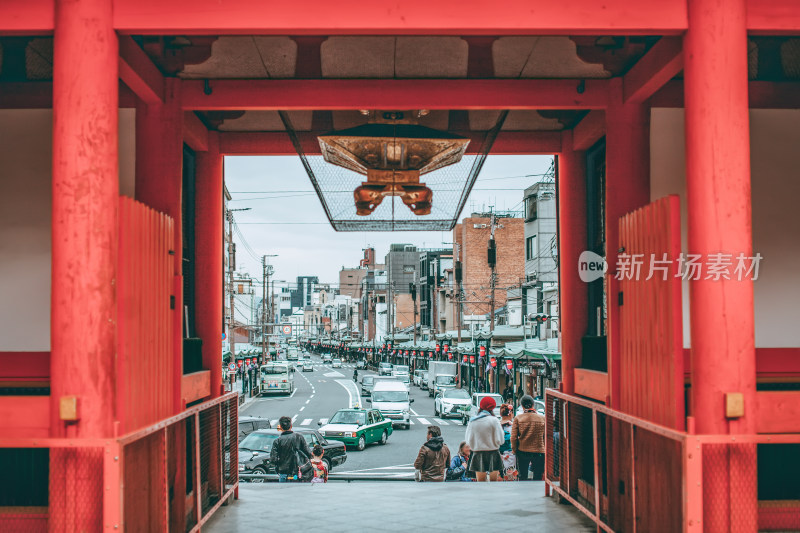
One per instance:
(170, 476)
(629, 474)
(349, 478)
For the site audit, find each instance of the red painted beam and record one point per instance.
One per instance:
(278, 143)
(761, 95)
(39, 95)
(589, 130)
(407, 17)
(195, 133)
(773, 17)
(394, 94)
(28, 17)
(28, 365)
(591, 384)
(139, 73)
(778, 412)
(25, 416)
(196, 386)
(659, 65)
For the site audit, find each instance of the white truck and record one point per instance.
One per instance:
(441, 375)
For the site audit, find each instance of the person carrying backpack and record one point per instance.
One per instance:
(290, 453)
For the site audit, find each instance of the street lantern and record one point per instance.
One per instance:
(493, 361)
(472, 359)
(465, 358)
(509, 364)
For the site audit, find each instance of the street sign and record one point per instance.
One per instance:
(224, 336)
(232, 366)
(286, 329)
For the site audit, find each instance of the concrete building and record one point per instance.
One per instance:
(541, 252)
(350, 281)
(471, 235)
(301, 295)
(433, 265)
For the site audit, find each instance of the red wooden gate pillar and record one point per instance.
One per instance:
(84, 253)
(719, 221)
(159, 165)
(627, 188)
(208, 259)
(571, 243)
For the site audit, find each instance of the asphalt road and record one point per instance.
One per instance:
(319, 394)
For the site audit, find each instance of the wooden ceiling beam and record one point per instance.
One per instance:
(336, 94)
(278, 143)
(659, 65)
(139, 73)
(761, 94)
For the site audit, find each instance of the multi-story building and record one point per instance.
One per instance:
(539, 292)
(433, 265)
(471, 236)
(301, 296)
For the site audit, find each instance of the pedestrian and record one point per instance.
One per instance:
(290, 452)
(508, 394)
(433, 458)
(320, 470)
(458, 465)
(485, 436)
(506, 420)
(527, 440)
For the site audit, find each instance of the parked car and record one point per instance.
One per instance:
(249, 424)
(473, 408)
(361, 364)
(307, 366)
(254, 450)
(326, 358)
(390, 397)
(357, 427)
(337, 363)
(538, 404)
(451, 402)
(384, 369)
(416, 380)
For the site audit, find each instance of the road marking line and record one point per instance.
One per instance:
(308, 401)
(294, 418)
(410, 422)
(440, 421)
(423, 421)
(305, 422)
(413, 412)
(302, 407)
(323, 420)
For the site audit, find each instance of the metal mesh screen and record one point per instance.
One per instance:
(145, 486)
(230, 442)
(76, 483)
(211, 488)
(451, 186)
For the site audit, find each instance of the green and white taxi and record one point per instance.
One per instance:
(357, 427)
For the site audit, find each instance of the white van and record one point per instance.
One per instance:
(390, 397)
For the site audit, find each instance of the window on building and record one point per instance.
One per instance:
(530, 248)
(530, 208)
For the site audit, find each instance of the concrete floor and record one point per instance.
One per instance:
(397, 506)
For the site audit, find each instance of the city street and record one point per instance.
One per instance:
(319, 394)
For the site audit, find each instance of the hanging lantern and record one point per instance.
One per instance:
(450, 356)
(493, 362)
(509, 364)
(472, 359)
(465, 358)
(446, 348)
(483, 351)
(239, 363)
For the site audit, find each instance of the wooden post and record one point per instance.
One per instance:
(719, 221)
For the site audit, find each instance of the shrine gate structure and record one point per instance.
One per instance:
(676, 129)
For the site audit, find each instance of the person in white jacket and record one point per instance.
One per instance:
(485, 436)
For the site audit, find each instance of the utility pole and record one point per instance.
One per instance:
(492, 259)
(435, 297)
(266, 272)
(412, 288)
(458, 273)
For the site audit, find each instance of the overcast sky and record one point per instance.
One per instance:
(286, 217)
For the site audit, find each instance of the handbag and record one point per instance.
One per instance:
(305, 470)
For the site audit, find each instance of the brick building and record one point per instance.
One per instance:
(471, 235)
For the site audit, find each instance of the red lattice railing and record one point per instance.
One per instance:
(629, 474)
(170, 476)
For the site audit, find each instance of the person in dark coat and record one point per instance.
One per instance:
(434, 457)
(285, 451)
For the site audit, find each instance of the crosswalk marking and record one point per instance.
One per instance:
(410, 422)
(305, 422)
(440, 421)
(323, 420)
(294, 418)
(423, 421)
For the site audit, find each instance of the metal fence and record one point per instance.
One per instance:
(628, 474)
(170, 476)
